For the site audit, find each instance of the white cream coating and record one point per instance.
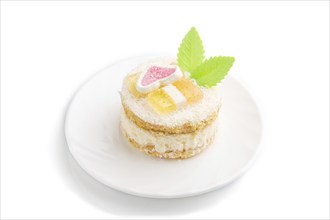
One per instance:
(171, 142)
(193, 114)
(175, 95)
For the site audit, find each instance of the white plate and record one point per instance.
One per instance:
(95, 141)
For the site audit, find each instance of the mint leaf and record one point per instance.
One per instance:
(212, 71)
(191, 51)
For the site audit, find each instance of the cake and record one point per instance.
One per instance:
(170, 106)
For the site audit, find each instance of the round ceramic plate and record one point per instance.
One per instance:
(96, 143)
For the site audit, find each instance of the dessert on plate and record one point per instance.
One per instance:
(170, 106)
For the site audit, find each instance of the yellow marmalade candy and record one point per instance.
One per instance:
(161, 102)
(189, 90)
(131, 82)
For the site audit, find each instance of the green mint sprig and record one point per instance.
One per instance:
(191, 51)
(212, 71)
(206, 73)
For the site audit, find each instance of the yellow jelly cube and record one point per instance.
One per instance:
(131, 83)
(189, 90)
(161, 102)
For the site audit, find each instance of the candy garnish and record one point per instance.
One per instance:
(189, 90)
(155, 73)
(166, 99)
(160, 102)
(131, 84)
(155, 76)
(175, 95)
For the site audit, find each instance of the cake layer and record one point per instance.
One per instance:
(172, 146)
(185, 120)
(186, 128)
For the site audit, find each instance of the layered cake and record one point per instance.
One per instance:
(171, 105)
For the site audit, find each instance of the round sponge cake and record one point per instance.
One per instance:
(180, 134)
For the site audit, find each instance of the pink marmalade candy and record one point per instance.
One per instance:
(155, 76)
(156, 73)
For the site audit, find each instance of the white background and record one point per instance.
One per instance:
(48, 49)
